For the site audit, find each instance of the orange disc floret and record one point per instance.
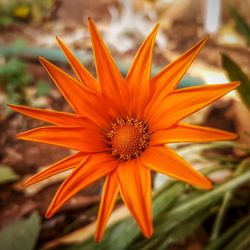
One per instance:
(128, 138)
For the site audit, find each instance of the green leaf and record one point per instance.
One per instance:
(241, 241)
(166, 197)
(236, 74)
(242, 166)
(228, 234)
(180, 232)
(241, 25)
(22, 234)
(7, 174)
(197, 202)
(184, 229)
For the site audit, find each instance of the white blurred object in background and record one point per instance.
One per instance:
(212, 16)
(123, 25)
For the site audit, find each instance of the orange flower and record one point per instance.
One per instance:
(120, 127)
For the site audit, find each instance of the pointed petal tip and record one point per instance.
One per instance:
(14, 107)
(201, 42)
(232, 85)
(49, 213)
(148, 236)
(92, 26)
(59, 41)
(205, 39)
(155, 31)
(149, 232)
(199, 45)
(236, 84)
(98, 233)
(234, 136)
(19, 136)
(206, 184)
(11, 106)
(42, 60)
(29, 181)
(231, 136)
(98, 238)
(90, 21)
(23, 135)
(157, 26)
(26, 183)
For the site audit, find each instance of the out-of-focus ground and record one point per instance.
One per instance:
(124, 25)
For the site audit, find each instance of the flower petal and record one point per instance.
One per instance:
(51, 116)
(183, 102)
(86, 173)
(139, 74)
(134, 183)
(80, 98)
(78, 138)
(168, 78)
(112, 83)
(81, 72)
(110, 192)
(67, 85)
(65, 164)
(166, 161)
(190, 133)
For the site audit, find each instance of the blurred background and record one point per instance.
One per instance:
(184, 217)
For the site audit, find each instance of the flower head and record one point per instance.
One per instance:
(120, 128)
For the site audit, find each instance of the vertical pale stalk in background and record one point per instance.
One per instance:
(212, 16)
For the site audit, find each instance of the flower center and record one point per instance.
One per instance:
(129, 137)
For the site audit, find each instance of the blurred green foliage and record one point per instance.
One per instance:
(7, 174)
(21, 234)
(42, 88)
(24, 10)
(13, 78)
(241, 24)
(235, 73)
